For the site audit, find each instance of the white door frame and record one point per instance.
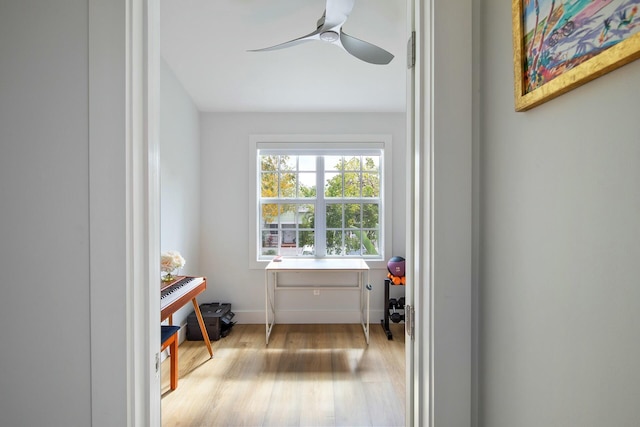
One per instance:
(412, 347)
(124, 212)
(443, 213)
(441, 233)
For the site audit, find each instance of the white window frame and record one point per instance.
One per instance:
(300, 144)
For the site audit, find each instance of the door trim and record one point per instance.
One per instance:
(412, 345)
(124, 212)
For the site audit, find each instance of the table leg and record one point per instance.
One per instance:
(268, 303)
(203, 328)
(364, 304)
(368, 300)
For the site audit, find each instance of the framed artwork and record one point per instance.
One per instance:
(559, 45)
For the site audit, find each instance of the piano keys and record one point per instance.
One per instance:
(174, 295)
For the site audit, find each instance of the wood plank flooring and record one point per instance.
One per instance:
(308, 375)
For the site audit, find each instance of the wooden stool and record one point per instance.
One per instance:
(169, 338)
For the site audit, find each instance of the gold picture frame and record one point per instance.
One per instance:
(543, 70)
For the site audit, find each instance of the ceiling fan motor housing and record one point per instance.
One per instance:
(329, 36)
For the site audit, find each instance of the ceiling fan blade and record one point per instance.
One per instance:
(336, 12)
(329, 29)
(365, 51)
(309, 37)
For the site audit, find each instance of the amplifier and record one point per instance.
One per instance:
(217, 320)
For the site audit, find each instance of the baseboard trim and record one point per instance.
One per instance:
(252, 317)
(306, 316)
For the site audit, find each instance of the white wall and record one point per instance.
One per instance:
(44, 227)
(180, 208)
(559, 340)
(225, 239)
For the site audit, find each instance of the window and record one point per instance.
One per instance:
(317, 201)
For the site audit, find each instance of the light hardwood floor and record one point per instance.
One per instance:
(308, 375)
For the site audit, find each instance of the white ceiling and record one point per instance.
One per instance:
(205, 43)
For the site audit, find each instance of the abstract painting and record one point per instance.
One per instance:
(561, 44)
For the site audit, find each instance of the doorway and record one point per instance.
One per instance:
(450, 137)
(401, 59)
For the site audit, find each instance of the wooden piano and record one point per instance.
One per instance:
(175, 294)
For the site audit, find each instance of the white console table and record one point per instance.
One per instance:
(308, 265)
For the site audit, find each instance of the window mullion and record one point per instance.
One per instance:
(320, 221)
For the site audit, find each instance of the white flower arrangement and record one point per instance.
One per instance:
(171, 260)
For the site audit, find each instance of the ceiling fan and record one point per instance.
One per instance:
(329, 30)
